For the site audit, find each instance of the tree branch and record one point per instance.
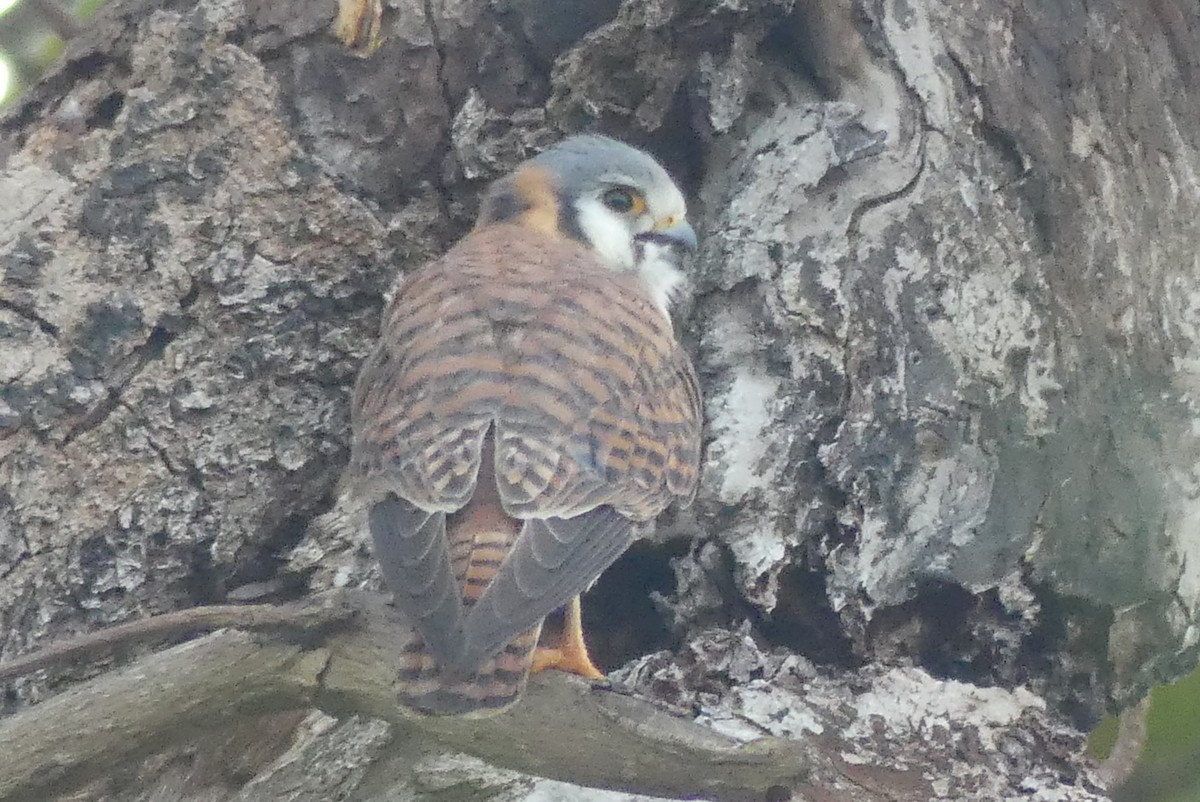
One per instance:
(166, 697)
(309, 616)
(562, 729)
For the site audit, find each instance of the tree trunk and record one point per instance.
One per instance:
(945, 318)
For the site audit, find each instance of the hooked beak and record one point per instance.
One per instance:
(679, 233)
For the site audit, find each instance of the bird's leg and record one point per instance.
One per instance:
(570, 654)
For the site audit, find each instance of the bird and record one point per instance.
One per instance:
(526, 406)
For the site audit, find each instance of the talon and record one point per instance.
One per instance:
(570, 654)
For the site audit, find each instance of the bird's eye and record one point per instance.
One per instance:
(624, 201)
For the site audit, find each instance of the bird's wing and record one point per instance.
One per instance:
(409, 546)
(609, 407)
(576, 375)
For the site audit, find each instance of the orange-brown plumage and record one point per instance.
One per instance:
(526, 405)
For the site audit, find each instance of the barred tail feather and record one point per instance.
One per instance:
(498, 683)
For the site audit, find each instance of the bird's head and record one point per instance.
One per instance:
(612, 197)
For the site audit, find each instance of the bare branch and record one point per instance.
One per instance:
(309, 616)
(158, 700)
(563, 729)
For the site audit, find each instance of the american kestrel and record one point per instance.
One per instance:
(526, 405)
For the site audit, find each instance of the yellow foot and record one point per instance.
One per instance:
(358, 25)
(571, 653)
(565, 660)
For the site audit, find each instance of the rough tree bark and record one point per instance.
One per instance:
(946, 320)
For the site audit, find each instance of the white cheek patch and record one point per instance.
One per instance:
(656, 263)
(659, 271)
(609, 234)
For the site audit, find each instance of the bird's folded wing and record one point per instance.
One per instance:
(410, 545)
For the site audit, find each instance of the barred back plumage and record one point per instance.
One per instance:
(525, 407)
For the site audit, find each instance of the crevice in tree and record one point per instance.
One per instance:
(262, 564)
(555, 31)
(678, 145)
(953, 634)
(804, 622)
(33, 317)
(621, 619)
(440, 48)
(202, 582)
(720, 603)
(105, 112)
(787, 45)
(260, 570)
(21, 115)
(874, 202)
(821, 42)
(917, 105)
(1066, 654)
(17, 562)
(444, 192)
(191, 296)
(506, 21)
(189, 471)
(160, 337)
(1031, 188)
(1002, 141)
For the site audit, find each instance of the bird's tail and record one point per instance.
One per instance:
(480, 535)
(495, 685)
